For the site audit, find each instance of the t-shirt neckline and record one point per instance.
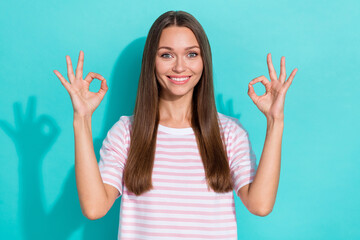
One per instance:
(175, 131)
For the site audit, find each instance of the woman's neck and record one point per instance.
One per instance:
(175, 113)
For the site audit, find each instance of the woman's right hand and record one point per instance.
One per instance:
(84, 102)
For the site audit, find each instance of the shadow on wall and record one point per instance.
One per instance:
(226, 108)
(34, 136)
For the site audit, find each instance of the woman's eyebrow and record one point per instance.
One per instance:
(169, 48)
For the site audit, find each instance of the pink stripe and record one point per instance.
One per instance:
(180, 189)
(241, 158)
(126, 120)
(173, 211)
(238, 134)
(112, 181)
(184, 161)
(107, 172)
(246, 161)
(231, 128)
(185, 235)
(178, 153)
(176, 139)
(199, 228)
(246, 173)
(178, 174)
(176, 146)
(108, 158)
(241, 148)
(180, 220)
(233, 141)
(245, 180)
(181, 204)
(106, 155)
(186, 197)
(180, 167)
(118, 140)
(120, 135)
(180, 181)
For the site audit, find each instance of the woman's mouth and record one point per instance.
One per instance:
(179, 79)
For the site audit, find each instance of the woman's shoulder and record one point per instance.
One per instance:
(122, 125)
(126, 120)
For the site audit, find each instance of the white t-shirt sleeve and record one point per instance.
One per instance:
(242, 159)
(113, 154)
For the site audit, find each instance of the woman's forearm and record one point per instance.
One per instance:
(91, 190)
(262, 191)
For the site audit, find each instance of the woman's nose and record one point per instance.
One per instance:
(179, 65)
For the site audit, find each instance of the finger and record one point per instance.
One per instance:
(92, 75)
(63, 81)
(70, 69)
(103, 88)
(8, 129)
(290, 79)
(272, 72)
(79, 68)
(30, 109)
(18, 115)
(252, 94)
(263, 80)
(282, 76)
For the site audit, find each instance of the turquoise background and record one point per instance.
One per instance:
(318, 195)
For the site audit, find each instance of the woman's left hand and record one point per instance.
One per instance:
(272, 102)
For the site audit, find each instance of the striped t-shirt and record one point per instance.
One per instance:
(180, 206)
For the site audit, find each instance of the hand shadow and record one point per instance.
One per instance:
(33, 138)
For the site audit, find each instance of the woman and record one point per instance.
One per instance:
(177, 160)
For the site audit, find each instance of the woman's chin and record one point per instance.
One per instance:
(175, 95)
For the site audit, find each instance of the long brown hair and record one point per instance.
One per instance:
(204, 117)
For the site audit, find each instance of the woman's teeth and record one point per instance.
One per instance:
(179, 79)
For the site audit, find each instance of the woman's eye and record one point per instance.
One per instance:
(166, 55)
(193, 54)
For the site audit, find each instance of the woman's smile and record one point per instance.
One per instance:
(179, 79)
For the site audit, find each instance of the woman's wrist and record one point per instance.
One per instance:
(81, 119)
(275, 122)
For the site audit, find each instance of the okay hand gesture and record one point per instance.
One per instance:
(84, 102)
(272, 102)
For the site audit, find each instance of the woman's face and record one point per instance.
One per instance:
(178, 63)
